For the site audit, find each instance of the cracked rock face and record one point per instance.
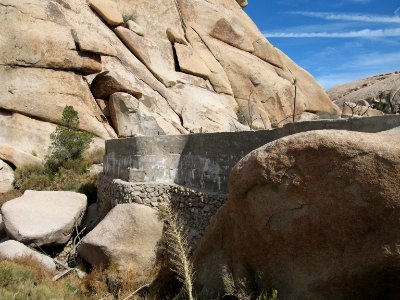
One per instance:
(313, 215)
(191, 63)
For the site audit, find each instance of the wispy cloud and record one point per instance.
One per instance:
(364, 33)
(352, 17)
(359, 66)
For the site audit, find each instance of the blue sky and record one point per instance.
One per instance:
(336, 41)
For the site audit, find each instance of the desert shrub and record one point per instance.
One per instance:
(66, 167)
(67, 142)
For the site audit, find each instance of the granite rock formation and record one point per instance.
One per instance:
(190, 63)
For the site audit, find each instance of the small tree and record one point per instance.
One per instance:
(67, 143)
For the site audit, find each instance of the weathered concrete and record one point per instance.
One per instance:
(203, 161)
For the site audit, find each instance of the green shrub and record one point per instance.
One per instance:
(67, 143)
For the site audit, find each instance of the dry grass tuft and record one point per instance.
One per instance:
(178, 250)
(23, 279)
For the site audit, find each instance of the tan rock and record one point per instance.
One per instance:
(264, 50)
(107, 83)
(156, 54)
(130, 117)
(132, 25)
(217, 77)
(154, 16)
(43, 94)
(242, 3)
(272, 96)
(297, 203)
(103, 104)
(127, 236)
(42, 44)
(6, 178)
(314, 97)
(43, 218)
(204, 111)
(175, 37)
(91, 42)
(224, 20)
(14, 250)
(108, 10)
(190, 62)
(350, 109)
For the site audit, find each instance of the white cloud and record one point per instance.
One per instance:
(352, 17)
(364, 33)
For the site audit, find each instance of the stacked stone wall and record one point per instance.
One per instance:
(194, 208)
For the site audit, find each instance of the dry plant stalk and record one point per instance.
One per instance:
(178, 250)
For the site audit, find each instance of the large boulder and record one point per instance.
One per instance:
(127, 236)
(314, 215)
(15, 250)
(6, 177)
(43, 218)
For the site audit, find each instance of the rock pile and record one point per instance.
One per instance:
(356, 98)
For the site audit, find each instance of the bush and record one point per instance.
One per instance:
(67, 143)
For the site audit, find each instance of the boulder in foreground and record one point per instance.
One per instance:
(314, 215)
(127, 236)
(43, 218)
(13, 250)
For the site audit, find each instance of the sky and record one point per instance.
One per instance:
(336, 41)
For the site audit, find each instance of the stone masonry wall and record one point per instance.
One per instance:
(194, 208)
(191, 172)
(203, 161)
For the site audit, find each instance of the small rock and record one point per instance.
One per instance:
(175, 37)
(107, 10)
(12, 250)
(132, 25)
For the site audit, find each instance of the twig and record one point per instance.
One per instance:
(62, 274)
(137, 291)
